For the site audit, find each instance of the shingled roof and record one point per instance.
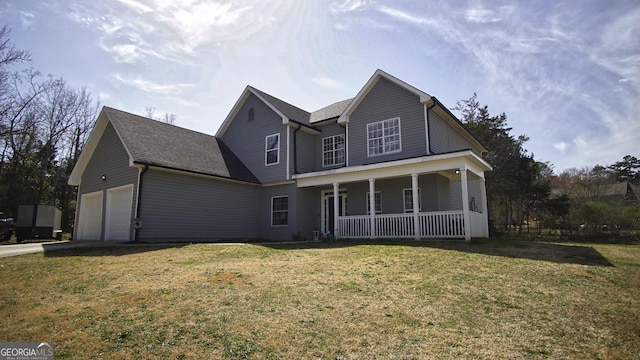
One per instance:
(288, 110)
(164, 145)
(329, 112)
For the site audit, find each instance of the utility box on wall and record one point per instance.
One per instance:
(38, 222)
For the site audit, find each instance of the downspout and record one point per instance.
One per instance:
(139, 203)
(295, 149)
(435, 102)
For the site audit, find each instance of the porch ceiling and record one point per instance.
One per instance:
(444, 164)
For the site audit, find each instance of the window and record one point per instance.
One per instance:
(279, 210)
(378, 202)
(272, 149)
(408, 200)
(251, 115)
(333, 150)
(383, 137)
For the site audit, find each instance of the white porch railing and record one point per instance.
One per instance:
(437, 224)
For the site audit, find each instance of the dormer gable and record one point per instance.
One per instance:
(379, 74)
(290, 114)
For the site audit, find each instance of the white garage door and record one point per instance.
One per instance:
(118, 219)
(90, 221)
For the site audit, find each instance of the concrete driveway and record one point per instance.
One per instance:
(30, 248)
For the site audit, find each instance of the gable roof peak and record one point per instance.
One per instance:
(377, 75)
(156, 143)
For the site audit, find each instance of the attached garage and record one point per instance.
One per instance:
(90, 216)
(118, 213)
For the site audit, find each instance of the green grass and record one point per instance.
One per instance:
(393, 300)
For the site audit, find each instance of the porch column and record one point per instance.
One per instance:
(484, 209)
(465, 204)
(416, 206)
(372, 207)
(336, 209)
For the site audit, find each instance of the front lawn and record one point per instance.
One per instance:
(491, 299)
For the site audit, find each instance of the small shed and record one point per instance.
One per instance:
(38, 222)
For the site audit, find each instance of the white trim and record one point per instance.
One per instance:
(288, 174)
(384, 152)
(442, 163)
(426, 128)
(80, 233)
(107, 215)
(375, 193)
(272, 211)
(238, 105)
(334, 150)
(75, 178)
(404, 204)
(266, 163)
(324, 195)
(346, 144)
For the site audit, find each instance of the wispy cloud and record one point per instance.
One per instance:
(152, 87)
(327, 82)
(347, 6)
(26, 19)
(548, 66)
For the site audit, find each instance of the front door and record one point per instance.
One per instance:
(328, 212)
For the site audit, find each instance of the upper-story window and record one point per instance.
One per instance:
(251, 115)
(272, 149)
(333, 150)
(383, 137)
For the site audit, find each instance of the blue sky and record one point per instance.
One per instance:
(566, 73)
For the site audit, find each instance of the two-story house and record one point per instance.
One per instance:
(392, 162)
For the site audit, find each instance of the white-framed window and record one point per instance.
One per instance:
(378, 203)
(333, 150)
(383, 137)
(280, 210)
(408, 200)
(272, 149)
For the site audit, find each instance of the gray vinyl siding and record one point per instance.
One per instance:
(247, 139)
(433, 194)
(444, 138)
(386, 101)
(327, 131)
(305, 152)
(111, 160)
(181, 206)
(455, 194)
(475, 195)
(281, 232)
(308, 212)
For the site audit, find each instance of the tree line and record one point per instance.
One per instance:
(524, 195)
(44, 124)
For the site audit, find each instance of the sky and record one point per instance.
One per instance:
(566, 73)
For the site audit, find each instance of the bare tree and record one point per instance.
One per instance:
(166, 118)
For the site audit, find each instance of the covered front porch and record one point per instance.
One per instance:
(449, 191)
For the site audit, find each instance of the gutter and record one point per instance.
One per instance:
(435, 102)
(139, 201)
(295, 147)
